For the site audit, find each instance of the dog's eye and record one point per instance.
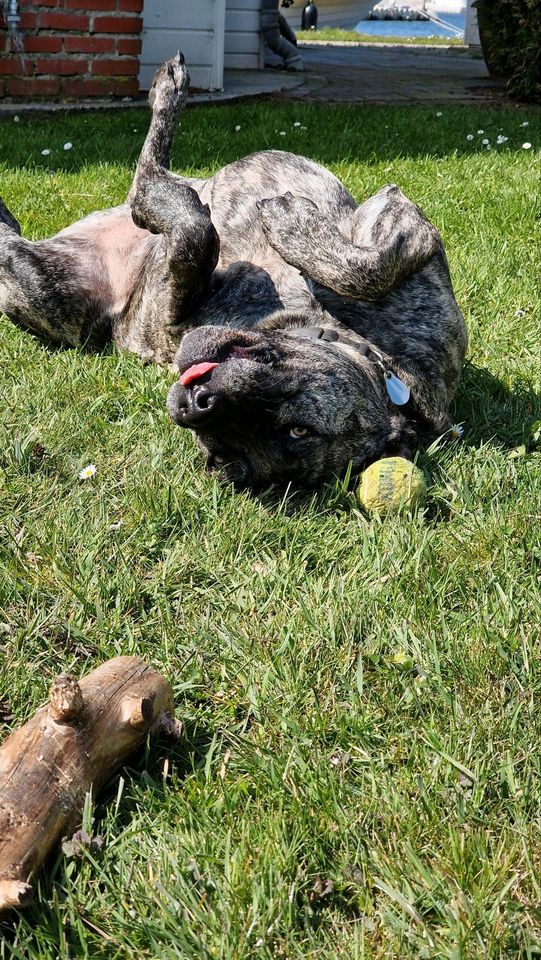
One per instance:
(298, 432)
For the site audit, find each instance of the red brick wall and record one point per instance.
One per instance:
(70, 51)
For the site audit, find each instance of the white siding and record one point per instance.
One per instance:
(471, 30)
(243, 44)
(194, 26)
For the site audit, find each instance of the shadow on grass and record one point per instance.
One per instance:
(212, 136)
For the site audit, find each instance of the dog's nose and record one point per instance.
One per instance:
(197, 405)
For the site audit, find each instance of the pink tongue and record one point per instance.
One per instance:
(196, 371)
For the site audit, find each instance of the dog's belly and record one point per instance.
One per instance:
(109, 252)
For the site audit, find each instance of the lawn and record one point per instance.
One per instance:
(337, 35)
(360, 773)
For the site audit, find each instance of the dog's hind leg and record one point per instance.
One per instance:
(381, 243)
(40, 289)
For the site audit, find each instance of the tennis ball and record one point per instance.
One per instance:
(389, 484)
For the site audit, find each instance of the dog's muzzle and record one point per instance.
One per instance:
(192, 406)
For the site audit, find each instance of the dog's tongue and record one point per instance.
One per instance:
(196, 371)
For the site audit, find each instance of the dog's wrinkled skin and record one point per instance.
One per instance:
(269, 244)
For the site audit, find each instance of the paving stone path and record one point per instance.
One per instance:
(381, 73)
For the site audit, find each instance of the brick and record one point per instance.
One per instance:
(49, 3)
(135, 6)
(115, 68)
(88, 87)
(28, 21)
(33, 87)
(42, 44)
(89, 45)
(128, 46)
(1, 88)
(118, 25)
(64, 21)
(92, 6)
(15, 67)
(127, 88)
(67, 66)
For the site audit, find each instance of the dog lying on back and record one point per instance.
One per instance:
(310, 333)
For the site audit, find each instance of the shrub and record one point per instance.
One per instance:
(510, 32)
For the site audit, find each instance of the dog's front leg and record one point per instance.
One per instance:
(166, 204)
(381, 243)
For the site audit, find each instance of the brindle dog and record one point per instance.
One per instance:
(311, 318)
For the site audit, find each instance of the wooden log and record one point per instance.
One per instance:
(69, 747)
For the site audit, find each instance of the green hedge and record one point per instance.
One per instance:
(510, 33)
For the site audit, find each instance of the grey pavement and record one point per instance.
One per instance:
(381, 73)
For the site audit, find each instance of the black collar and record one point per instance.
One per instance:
(397, 390)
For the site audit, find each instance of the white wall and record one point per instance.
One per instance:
(194, 26)
(471, 30)
(243, 45)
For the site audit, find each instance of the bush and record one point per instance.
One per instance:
(510, 32)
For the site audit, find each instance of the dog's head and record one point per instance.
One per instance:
(271, 406)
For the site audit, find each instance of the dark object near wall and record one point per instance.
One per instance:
(309, 17)
(510, 32)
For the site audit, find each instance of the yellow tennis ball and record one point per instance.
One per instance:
(389, 484)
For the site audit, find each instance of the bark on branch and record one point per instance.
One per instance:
(73, 744)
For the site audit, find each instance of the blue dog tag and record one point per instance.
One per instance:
(397, 389)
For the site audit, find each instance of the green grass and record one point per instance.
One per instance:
(360, 698)
(338, 35)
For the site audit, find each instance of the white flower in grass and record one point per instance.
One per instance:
(457, 431)
(68, 145)
(282, 133)
(526, 146)
(469, 136)
(237, 128)
(439, 113)
(45, 153)
(525, 124)
(304, 128)
(16, 119)
(519, 313)
(501, 139)
(297, 123)
(87, 472)
(480, 132)
(485, 142)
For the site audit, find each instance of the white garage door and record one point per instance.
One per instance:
(194, 26)
(243, 42)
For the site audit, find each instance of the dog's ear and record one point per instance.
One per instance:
(402, 440)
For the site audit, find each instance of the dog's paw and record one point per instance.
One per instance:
(287, 220)
(170, 85)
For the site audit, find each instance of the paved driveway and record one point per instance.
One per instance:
(381, 73)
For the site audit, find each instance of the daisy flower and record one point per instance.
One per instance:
(457, 431)
(297, 123)
(480, 132)
(87, 472)
(525, 124)
(237, 128)
(68, 145)
(45, 153)
(469, 136)
(501, 139)
(439, 113)
(485, 142)
(526, 146)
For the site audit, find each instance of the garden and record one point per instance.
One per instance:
(359, 773)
